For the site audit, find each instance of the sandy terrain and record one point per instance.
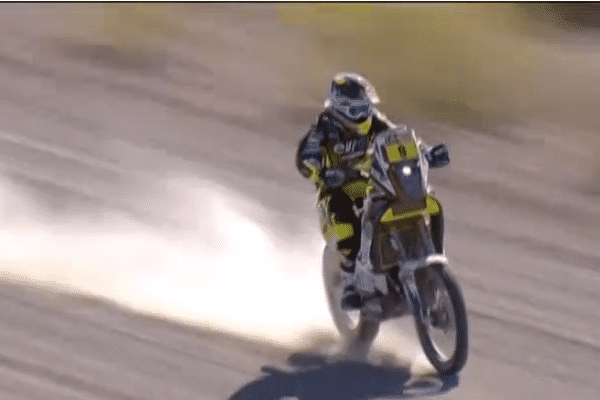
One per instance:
(95, 141)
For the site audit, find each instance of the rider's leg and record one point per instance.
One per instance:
(364, 277)
(346, 226)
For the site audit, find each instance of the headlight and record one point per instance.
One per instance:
(406, 178)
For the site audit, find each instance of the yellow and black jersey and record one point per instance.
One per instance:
(334, 142)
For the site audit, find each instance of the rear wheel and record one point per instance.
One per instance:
(444, 331)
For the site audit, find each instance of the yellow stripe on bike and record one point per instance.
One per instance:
(432, 207)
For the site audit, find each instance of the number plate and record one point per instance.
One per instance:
(397, 152)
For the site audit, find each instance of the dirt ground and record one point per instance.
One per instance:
(88, 127)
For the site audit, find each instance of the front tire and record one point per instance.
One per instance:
(446, 314)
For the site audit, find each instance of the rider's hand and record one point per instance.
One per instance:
(334, 177)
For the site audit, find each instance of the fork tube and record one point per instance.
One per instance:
(412, 293)
(425, 236)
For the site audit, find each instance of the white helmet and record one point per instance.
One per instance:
(352, 96)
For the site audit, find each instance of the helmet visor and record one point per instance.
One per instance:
(351, 90)
(354, 109)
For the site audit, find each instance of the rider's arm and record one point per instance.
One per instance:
(309, 156)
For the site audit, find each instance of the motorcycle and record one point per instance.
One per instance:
(415, 271)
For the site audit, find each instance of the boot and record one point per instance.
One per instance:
(351, 299)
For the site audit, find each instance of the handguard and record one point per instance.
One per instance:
(437, 156)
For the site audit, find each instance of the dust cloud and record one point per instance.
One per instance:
(228, 272)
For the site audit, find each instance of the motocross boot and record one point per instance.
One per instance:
(351, 299)
(364, 280)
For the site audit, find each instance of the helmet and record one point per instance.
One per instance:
(352, 96)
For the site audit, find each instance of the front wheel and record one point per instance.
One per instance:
(444, 331)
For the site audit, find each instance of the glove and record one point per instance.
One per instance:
(334, 178)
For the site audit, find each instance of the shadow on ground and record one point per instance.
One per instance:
(312, 377)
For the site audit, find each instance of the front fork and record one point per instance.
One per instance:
(409, 268)
(407, 277)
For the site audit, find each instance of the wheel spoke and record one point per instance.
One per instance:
(441, 324)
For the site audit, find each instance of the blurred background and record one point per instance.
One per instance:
(147, 157)
(484, 67)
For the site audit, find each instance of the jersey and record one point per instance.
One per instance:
(334, 142)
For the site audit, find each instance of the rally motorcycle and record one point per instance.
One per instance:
(414, 270)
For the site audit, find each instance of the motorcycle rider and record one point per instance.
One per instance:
(333, 154)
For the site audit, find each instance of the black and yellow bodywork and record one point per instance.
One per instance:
(411, 200)
(334, 230)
